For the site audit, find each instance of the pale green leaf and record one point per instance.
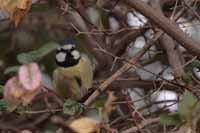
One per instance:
(38, 54)
(1, 89)
(12, 69)
(170, 119)
(3, 106)
(187, 105)
(72, 107)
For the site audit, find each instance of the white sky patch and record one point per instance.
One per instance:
(136, 46)
(166, 95)
(75, 54)
(60, 57)
(168, 74)
(114, 24)
(186, 26)
(196, 72)
(149, 34)
(140, 42)
(68, 47)
(155, 67)
(136, 95)
(135, 19)
(94, 15)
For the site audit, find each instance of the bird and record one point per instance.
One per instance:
(73, 76)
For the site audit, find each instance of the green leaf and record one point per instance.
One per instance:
(170, 119)
(187, 105)
(99, 102)
(196, 63)
(50, 128)
(3, 106)
(36, 55)
(189, 99)
(21, 109)
(12, 69)
(1, 89)
(71, 107)
(196, 110)
(198, 124)
(188, 77)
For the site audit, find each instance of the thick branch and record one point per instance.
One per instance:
(147, 85)
(169, 46)
(123, 69)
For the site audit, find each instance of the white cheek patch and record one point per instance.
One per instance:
(75, 54)
(60, 57)
(68, 47)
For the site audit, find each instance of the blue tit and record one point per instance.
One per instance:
(74, 75)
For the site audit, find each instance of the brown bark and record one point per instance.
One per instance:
(169, 45)
(166, 25)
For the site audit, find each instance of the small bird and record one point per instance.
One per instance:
(74, 75)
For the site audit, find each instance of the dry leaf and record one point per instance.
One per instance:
(28, 97)
(108, 107)
(13, 92)
(17, 9)
(23, 88)
(84, 125)
(185, 129)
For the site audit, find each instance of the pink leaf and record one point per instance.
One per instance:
(13, 92)
(30, 76)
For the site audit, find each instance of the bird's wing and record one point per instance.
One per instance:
(86, 72)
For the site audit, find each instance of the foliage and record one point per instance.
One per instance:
(71, 107)
(170, 119)
(189, 106)
(188, 76)
(108, 32)
(17, 9)
(22, 89)
(3, 106)
(39, 7)
(36, 55)
(11, 70)
(188, 112)
(1, 89)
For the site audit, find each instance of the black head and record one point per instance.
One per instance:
(67, 55)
